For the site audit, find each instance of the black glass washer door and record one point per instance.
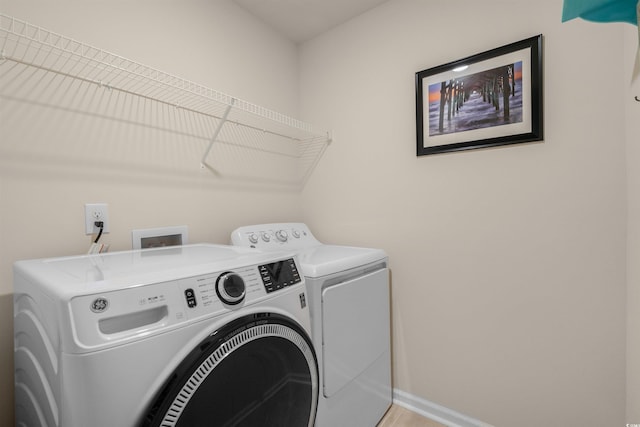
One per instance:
(258, 371)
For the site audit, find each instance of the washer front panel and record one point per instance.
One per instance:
(260, 370)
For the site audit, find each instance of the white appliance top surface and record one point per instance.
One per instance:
(316, 259)
(89, 273)
(323, 260)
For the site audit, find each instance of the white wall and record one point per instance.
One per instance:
(508, 264)
(633, 225)
(113, 148)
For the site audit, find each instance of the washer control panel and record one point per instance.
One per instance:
(280, 274)
(278, 236)
(102, 318)
(211, 292)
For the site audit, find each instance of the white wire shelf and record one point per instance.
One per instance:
(27, 45)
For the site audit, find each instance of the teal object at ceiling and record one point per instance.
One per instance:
(602, 10)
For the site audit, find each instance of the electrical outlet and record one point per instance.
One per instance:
(95, 212)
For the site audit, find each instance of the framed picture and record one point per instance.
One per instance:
(489, 99)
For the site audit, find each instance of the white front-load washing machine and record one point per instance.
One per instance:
(349, 295)
(198, 335)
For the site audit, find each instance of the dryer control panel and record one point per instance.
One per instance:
(274, 237)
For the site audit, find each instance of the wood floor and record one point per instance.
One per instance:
(397, 416)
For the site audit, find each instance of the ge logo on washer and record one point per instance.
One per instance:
(99, 305)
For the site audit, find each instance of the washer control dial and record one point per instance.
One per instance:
(282, 235)
(230, 288)
(265, 237)
(253, 238)
(295, 233)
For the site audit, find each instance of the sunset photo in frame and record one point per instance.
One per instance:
(489, 99)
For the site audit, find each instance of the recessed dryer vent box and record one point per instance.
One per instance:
(159, 237)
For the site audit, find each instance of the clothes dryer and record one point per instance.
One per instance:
(348, 289)
(182, 336)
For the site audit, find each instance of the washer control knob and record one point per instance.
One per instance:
(265, 237)
(253, 238)
(295, 233)
(282, 235)
(230, 288)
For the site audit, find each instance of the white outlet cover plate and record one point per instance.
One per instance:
(95, 212)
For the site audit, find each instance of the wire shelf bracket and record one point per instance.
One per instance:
(214, 138)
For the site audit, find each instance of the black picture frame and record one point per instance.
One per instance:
(461, 105)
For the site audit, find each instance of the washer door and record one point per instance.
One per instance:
(259, 370)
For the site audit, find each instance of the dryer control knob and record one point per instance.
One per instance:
(295, 233)
(265, 237)
(282, 235)
(230, 288)
(253, 238)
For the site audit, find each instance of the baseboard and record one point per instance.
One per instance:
(434, 411)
